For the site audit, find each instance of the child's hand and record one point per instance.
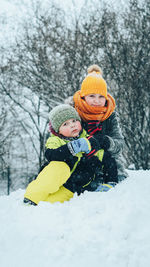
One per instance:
(105, 187)
(103, 140)
(79, 145)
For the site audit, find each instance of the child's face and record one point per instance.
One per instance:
(95, 100)
(70, 128)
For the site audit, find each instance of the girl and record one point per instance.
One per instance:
(96, 108)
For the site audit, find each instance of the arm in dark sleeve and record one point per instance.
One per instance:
(115, 135)
(58, 154)
(110, 138)
(61, 154)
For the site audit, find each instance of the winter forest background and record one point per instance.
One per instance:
(46, 60)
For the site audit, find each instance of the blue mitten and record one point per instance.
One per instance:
(79, 145)
(105, 187)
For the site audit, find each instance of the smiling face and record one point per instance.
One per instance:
(70, 128)
(95, 100)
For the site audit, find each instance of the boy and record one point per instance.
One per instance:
(71, 168)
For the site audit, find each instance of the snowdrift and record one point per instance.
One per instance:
(106, 229)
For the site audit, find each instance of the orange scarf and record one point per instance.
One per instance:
(88, 113)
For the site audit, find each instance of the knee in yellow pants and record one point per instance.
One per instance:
(49, 180)
(63, 194)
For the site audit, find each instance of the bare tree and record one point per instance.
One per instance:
(126, 60)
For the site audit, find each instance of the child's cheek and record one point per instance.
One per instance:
(66, 132)
(79, 125)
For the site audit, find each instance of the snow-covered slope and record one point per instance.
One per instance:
(96, 229)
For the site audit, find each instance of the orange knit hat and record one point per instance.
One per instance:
(94, 82)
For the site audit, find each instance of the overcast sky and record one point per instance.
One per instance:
(12, 12)
(10, 7)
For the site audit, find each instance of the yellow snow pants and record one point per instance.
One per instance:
(48, 185)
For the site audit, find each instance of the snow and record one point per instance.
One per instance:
(99, 229)
(106, 229)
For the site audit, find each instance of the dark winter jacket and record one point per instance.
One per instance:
(57, 150)
(111, 129)
(83, 170)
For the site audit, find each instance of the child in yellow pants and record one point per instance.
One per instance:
(66, 148)
(48, 184)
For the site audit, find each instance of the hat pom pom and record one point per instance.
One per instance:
(94, 68)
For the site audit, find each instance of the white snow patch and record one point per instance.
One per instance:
(98, 229)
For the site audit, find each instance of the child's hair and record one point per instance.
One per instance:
(59, 114)
(94, 82)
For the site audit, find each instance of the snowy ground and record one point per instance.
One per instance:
(96, 229)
